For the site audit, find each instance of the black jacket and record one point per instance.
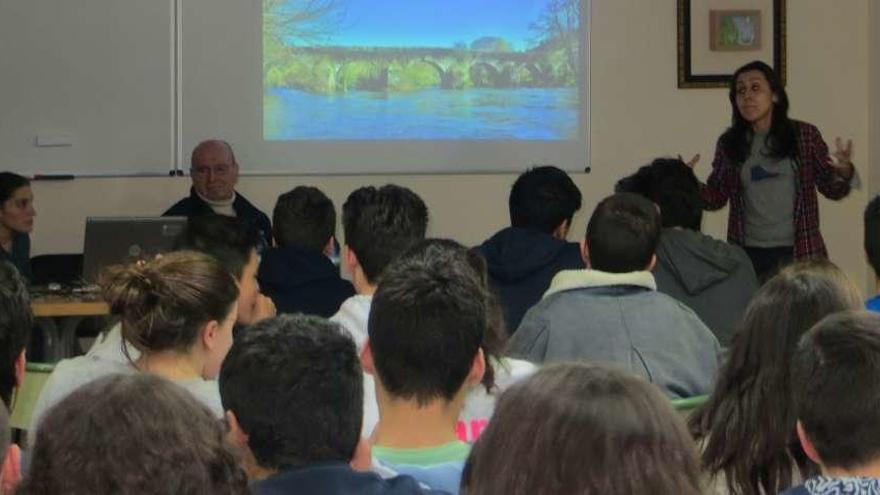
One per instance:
(521, 264)
(302, 281)
(335, 479)
(193, 205)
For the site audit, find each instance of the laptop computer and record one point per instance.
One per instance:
(121, 240)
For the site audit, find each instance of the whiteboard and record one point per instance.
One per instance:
(93, 80)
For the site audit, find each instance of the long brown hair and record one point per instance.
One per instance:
(133, 433)
(164, 302)
(748, 423)
(583, 429)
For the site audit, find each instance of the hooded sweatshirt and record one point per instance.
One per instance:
(302, 281)
(823, 485)
(521, 264)
(713, 278)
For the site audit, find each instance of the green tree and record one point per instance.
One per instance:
(559, 26)
(290, 22)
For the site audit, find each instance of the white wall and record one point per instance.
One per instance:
(637, 113)
(874, 94)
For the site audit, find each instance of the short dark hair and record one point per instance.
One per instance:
(9, 183)
(382, 223)
(230, 240)
(427, 321)
(836, 388)
(295, 384)
(132, 433)
(16, 321)
(872, 234)
(583, 428)
(541, 198)
(622, 233)
(304, 217)
(5, 431)
(671, 184)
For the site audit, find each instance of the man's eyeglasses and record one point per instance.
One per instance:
(203, 170)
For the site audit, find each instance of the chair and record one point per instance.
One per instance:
(26, 396)
(687, 405)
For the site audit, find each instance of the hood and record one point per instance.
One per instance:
(695, 260)
(514, 254)
(290, 267)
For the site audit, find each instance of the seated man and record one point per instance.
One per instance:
(714, 278)
(612, 311)
(523, 258)
(426, 329)
(836, 389)
(291, 387)
(214, 172)
(298, 274)
(872, 248)
(379, 225)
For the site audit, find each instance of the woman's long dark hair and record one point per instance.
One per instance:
(748, 424)
(781, 141)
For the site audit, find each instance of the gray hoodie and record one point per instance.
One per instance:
(620, 318)
(712, 277)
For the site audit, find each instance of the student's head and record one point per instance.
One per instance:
(836, 390)
(380, 224)
(214, 170)
(673, 187)
(132, 434)
(583, 428)
(426, 326)
(16, 321)
(872, 234)
(305, 218)
(293, 387)
(16, 204)
(544, 199)
(183, 302)
(233, 242)
(622, 234)
(748, 422)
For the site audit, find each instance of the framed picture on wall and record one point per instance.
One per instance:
(715, 37)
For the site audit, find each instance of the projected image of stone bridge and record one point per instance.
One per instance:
(341, 69)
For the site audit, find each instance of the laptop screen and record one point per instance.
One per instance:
(121, 240)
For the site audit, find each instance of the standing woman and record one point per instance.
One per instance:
(769, 167)
(16, 221)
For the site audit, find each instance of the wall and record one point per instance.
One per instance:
(874, 96)
(638, 113)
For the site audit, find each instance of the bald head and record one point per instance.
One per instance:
(214, 170)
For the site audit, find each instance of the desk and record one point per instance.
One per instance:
(58, 316)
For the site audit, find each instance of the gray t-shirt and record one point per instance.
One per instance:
(769, 187)
(70, 374)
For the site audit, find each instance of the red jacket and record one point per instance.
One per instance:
(814, 171)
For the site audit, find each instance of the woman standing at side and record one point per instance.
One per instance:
(769, 167)
(16, 221)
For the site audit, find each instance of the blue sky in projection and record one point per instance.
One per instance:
(436, 23)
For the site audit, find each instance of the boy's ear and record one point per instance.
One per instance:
(236, 435)
(367, 359)
(807, 444)
(10, 473)
(478, 369)
(329, 247)
(20, 368)
(350, 258)
(652, 263)
(561, 230)
(585, 251)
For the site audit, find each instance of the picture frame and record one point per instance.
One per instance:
(715, 37)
